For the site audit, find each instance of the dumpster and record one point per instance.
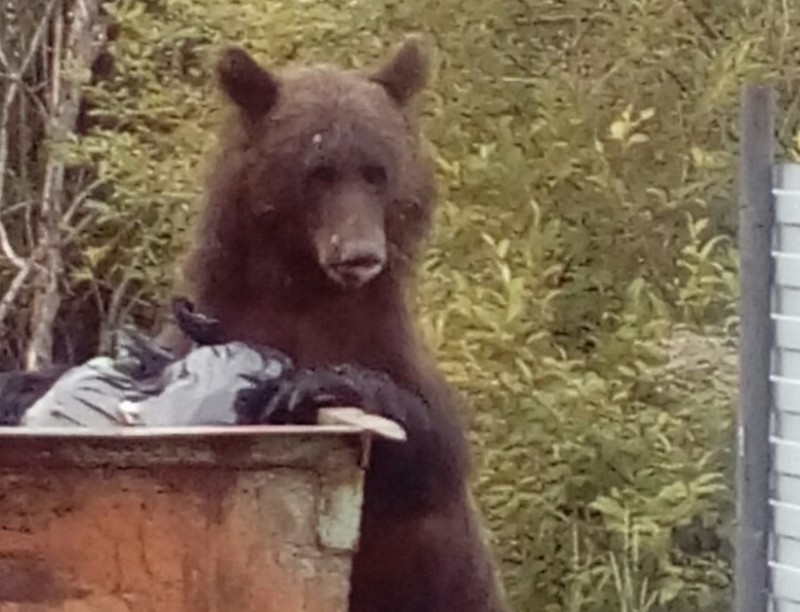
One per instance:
(195, 519)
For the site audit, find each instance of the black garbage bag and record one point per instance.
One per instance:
(142, 384)
(212, 385)
(19, 390)
(203, 388)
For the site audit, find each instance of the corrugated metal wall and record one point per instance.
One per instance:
(785, 431)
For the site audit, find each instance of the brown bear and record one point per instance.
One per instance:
(317, 203)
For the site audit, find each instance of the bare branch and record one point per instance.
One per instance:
(72, 47)
(10, 210)
(13, 89)
(78, 201)
(11, 94)
(46, 298)
(115, 304)
(8, 250)
(4, 60)
(25, 267)
(112, 314)
(69, 235)
(14, 289)
(68, 232)
(31, 93)
(33, 47)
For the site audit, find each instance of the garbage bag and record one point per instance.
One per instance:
(19, 390)
(143, 385)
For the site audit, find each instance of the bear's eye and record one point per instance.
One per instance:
(325, 175)
(374, 175)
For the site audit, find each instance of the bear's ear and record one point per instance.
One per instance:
(247, 84)
(406, 73)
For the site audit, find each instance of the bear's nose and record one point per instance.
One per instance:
(357, 264)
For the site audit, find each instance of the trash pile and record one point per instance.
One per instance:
(141, 384)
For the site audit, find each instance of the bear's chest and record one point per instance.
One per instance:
(321, 336)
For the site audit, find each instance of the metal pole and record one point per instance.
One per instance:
(755, 241)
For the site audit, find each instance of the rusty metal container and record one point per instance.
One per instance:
(233, 519)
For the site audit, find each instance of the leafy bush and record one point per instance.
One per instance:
(581, 457)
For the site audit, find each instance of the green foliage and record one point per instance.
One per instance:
(152, 122)
(581, 456)
(580, 288)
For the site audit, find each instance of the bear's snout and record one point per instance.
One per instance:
(354, 263)
(350, 237)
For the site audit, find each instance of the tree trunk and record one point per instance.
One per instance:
(75, 46)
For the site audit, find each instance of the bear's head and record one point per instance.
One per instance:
(323, 175)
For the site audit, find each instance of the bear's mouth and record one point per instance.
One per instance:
(356, 272)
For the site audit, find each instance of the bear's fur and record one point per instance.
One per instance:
(316, 206)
